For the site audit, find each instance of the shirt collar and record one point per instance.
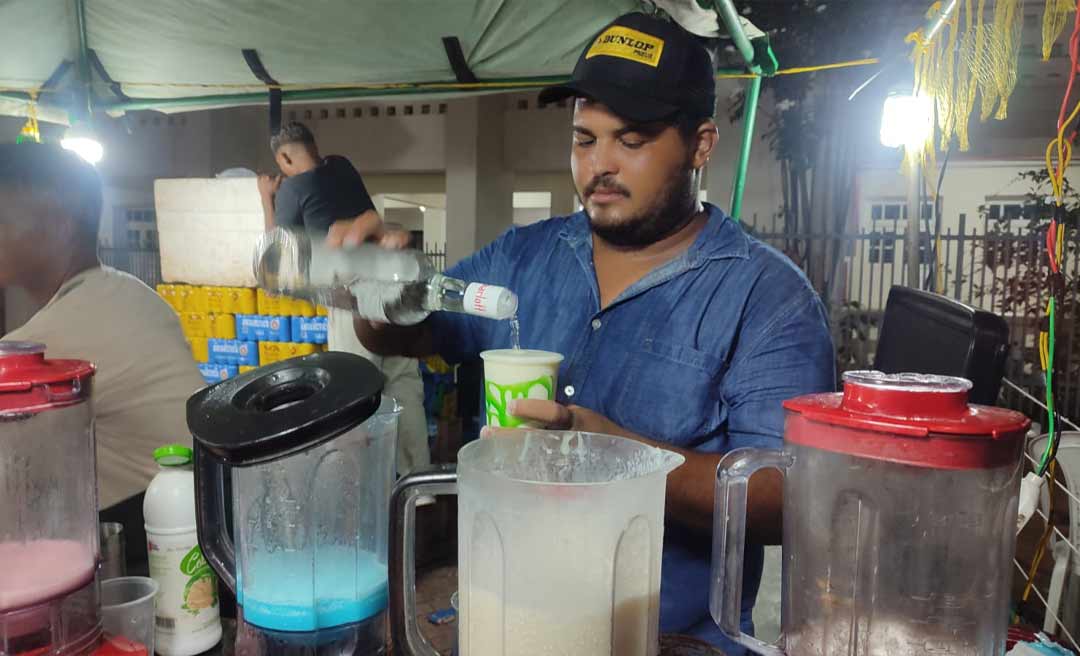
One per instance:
(721, 238)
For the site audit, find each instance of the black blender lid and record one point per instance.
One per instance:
(283, 408)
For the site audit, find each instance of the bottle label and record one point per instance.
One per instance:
(482, 300)
(187, 601)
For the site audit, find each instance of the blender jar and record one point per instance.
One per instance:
(900, 504)
(309, 445)
(48, 504)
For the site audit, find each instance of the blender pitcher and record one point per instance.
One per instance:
(310, 448)
(559, 545)
(48, 504)
(900, 504)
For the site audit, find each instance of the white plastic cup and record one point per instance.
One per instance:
(127, 612)
(511, 374)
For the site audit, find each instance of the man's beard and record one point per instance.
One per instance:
(669, 213)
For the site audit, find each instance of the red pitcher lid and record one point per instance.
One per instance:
(30, 383)
(916, 419)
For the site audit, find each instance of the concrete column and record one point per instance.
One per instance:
(435, 228)
(479, 186)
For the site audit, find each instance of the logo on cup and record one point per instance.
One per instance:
(498, 397)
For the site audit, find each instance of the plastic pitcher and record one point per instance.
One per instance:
(900, 504)
(559, 545)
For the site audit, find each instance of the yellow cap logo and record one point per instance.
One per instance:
(629, 44)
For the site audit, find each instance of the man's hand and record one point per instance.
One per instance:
(555, 416)
(268, 185)
(368, 227)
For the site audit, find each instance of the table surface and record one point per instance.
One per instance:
(670, 645)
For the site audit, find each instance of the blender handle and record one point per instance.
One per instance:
(214, 541)
(404, 630)
(729, 539)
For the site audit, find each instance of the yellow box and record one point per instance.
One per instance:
(195, 324)
(169, 295)
(196, 300)
(223, 326)
(200, 350)
(240, 300)
(269, 353)
(295, 350)
(321, 311)
(301, 308)
(215, 299)
(245, 368)
(271, 305)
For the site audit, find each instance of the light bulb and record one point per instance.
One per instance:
(906, 120)
(82, 141)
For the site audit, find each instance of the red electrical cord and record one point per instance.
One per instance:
(1074, 65)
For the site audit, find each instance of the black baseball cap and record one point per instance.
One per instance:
(645, 69)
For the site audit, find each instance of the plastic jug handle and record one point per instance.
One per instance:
(210, 522)
(729, 539)
(404, 630)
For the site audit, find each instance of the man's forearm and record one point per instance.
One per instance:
(408, 341)
(268, 212)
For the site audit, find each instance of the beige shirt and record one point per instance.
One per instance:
(145, 372)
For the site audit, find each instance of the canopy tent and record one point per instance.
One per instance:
(67, 60)
(187, 54)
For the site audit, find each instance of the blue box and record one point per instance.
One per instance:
(310, 330)
(233, 351)
(262, 328)
(215, 373)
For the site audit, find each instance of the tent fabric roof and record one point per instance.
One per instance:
(170, 49)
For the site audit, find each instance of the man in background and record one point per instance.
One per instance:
(315, 193)
(50, 207)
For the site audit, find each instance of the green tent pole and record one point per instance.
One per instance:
(749, 119)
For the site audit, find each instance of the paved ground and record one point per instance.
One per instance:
(433, 590)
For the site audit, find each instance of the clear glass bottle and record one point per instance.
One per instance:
(394, 286)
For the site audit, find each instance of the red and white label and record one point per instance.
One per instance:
(481, 299)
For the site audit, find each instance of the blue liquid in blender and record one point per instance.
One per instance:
(348, 586)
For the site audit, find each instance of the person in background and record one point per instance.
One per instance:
(679, 330)
(50, 207)
(316, 193)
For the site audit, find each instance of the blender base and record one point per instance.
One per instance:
(366, 638)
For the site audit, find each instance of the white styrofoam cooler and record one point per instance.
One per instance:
(207, 230)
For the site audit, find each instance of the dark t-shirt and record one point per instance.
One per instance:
(317, 198)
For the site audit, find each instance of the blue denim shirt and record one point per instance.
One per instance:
(698, 354)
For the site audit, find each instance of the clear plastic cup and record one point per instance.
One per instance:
(127, 613)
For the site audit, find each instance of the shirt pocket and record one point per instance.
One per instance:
(671, 393)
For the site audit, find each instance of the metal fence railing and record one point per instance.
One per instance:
(143, 263)
(1004, 273)
(437, 255)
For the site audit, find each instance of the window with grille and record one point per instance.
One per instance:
(888, 220)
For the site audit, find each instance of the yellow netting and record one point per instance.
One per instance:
(1055, 18)
(974, 54)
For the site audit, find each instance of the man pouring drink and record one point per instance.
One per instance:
(677, 329)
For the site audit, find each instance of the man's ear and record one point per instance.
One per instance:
(705, 141)
(284, 154)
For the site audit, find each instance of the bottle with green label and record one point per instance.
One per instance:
(186, 618)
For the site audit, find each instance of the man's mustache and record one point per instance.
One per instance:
(608, 184)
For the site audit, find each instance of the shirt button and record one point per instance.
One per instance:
(569, 390)
(596, 323)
